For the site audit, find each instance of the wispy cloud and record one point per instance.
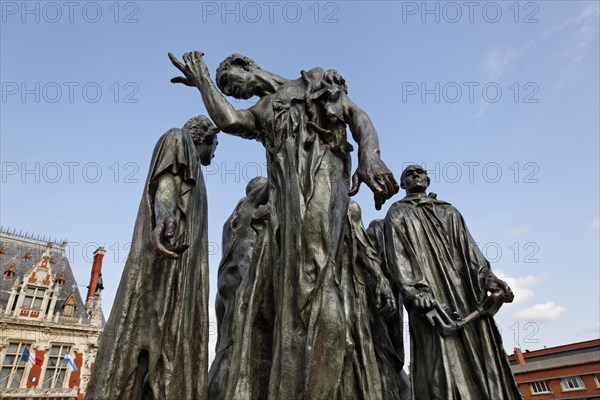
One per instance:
(584, 26)
(586, 34)
(595, 224)
(546, 312)
(519, 230)
(499, 61)
(520, 286)
(587, 13)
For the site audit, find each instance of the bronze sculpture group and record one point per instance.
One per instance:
(309, 303)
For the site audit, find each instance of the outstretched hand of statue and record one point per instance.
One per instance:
(194, 70)
(162, 233)
(497, 285)
(376, 175)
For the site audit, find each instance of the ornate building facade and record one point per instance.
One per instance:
(48, 334)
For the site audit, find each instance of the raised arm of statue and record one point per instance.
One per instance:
(227, 118)
(371, 169)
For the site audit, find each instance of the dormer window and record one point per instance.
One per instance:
(70, 305)
(27, 256)
(33, 298)
(10, 271)
(61, 279)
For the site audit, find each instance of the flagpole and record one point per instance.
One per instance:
(54, 377)
(46, 381)
(9, 382)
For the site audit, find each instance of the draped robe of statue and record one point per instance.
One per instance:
(239, 237)
(429, 247)
(388, 331)
(159, 320)
(301, 329)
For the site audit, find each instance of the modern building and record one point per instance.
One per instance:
(571, 371)
(48, 334)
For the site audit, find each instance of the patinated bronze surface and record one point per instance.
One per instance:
(388, 330)
(299, 328)
(306, 303)
(450, 293)
(239, 237)
(155, 340)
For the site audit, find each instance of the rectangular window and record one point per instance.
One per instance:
(540, 387)
(597, 379)
(572, 383)
(69, 310)
(33, 298)
(56, 369)
(13, 368)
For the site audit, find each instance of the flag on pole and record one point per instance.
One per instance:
(67, 359)
(28, 357)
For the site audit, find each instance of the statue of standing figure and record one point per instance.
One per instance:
(300, 317)
(239, 238)
(451, 294)
(155, 343)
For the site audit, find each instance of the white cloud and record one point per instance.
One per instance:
(520, 286)
(519, 230)
(547, 312)
(595, 222)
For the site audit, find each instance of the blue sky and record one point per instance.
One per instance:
(498, 100)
